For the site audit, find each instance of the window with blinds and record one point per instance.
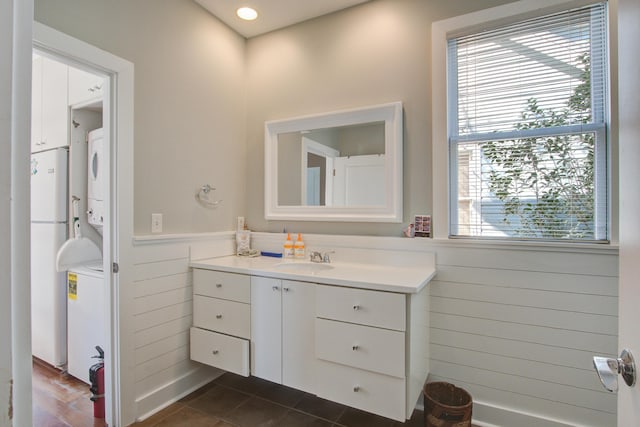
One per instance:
(527, 129)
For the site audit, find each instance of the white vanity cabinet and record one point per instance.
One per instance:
(221, 320)
(372, 348)
(49, 108)
(355, 334)
(282, 331)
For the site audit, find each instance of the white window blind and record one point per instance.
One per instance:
(527, 129)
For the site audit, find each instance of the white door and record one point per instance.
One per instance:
(266, 329)
(629, 175)
(49, 186)
(359, 181)
(313, 186)
(298, 343)
(48, 294)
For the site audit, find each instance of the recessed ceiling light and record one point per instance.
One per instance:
(247, 13)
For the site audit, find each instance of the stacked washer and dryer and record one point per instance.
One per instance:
(85, 296)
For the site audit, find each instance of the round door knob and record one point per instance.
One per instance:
(356, 307)
(218, 285)
(215, 352)
(275, 288)
(285, 289)
(355, 347)
(218, 316)
(356, 388)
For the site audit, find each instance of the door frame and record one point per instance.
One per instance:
(321, 150)
(118, 229)
(629, 201)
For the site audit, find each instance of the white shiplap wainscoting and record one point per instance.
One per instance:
(162, 304)
(514, 324)
(517, 327)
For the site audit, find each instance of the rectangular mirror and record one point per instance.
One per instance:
(338, 166)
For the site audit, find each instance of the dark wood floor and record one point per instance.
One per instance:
(235, 401)
(60, 400)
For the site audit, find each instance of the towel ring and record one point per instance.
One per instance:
(204, 196)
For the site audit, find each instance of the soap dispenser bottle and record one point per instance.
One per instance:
(288, 247)
(298, 248)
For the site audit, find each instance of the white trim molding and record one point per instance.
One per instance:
(459, 25)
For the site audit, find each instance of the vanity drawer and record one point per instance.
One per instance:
(228, 317)
(365, 307)
(369, 391)
(364, 347)
(221, 351)
(219, 284)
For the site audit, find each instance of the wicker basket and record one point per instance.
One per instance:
(446, 405)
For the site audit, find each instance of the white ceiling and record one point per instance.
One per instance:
(272, 14)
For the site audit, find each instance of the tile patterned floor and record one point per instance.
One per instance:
(236, 401)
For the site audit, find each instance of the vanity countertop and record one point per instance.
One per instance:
(390, 278)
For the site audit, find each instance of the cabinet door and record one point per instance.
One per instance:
(54, 104)
(266, 329)
(84, 86)
(298, 344)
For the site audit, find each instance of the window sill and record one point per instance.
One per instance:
(610, 248)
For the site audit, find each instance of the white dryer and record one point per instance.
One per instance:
(95, 182)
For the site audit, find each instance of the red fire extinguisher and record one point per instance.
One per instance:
(96, 378)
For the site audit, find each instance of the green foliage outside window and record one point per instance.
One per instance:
(546, 184)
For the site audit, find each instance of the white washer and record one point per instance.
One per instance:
(85, 319)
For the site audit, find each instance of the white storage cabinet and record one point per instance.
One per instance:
(84, 87)
(363, 348)
(221, 320)
(282, 330)
(371, 348)
(49, 107)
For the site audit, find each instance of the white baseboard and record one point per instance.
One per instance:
(170, 393)
(486, 415)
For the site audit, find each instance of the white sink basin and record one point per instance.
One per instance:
(303, 267)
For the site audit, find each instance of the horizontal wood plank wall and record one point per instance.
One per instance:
(518, 328)
(163, 315)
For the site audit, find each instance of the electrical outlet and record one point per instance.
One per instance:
(156, 223)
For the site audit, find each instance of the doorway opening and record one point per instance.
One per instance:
(69, 289)
(117, 162)
(68, 292)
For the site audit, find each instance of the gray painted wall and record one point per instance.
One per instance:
(370, 54)
(192, 125)
(189, 103)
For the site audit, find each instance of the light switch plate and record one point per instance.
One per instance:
(156, 223)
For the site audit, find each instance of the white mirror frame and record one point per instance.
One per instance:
(390, 114)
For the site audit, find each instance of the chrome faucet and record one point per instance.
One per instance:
(316, 256)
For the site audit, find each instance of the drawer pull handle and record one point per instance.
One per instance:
(356, 388)
(356, 307)
(218, 316)
(215, 352)
(275, 288)
(285, 289)
(355, 347)
(218, 285)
